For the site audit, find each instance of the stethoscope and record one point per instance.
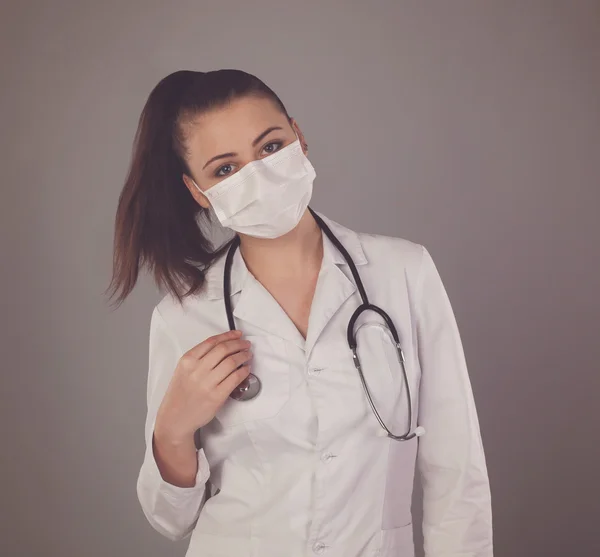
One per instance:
(251, 386)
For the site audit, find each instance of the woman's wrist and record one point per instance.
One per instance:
(176, 460)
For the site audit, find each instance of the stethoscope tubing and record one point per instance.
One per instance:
(351, 333)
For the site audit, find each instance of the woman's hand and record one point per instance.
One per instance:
(204, 378)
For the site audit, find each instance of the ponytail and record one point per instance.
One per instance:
(157, 220)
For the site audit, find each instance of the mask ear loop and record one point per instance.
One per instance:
(197, 186)
(303, 144)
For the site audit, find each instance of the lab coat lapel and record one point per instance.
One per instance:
(257, 307)
(254, 305)
(333, 289)
(335, 285)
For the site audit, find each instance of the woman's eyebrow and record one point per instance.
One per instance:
(257, 140)
(265, 133)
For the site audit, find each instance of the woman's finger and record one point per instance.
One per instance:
(229, 365)
(201, 349)
(221, 351)
(225, 388)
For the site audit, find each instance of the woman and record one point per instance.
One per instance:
(261, 441)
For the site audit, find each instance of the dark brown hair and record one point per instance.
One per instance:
(158, 222)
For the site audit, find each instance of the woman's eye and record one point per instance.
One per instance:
(268, 149)
(223, 171)
(272, 147)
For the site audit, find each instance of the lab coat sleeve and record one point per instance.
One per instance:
(171, 510)
(457, 514)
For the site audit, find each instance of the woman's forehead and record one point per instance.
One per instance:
(233, 126)
(239, 115)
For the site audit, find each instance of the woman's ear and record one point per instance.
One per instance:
(199, 197)
(300, 135)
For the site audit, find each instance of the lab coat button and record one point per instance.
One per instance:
(315, 370)
(326, 457)
(319, 548)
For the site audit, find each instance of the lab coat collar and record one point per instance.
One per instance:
(240, 276)
(348, 238)
(214, 276)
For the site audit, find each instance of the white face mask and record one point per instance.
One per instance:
(267, 197)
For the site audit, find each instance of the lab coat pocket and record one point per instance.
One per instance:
(397, 542)
(399, 483)
(270, 363)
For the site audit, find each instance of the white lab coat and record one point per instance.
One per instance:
(303, 469)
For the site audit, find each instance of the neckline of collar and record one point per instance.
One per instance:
(239, 272)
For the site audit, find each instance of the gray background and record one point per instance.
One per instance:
(470, 126)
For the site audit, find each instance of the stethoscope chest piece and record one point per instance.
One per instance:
(247, 389)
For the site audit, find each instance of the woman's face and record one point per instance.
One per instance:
(222, 141)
